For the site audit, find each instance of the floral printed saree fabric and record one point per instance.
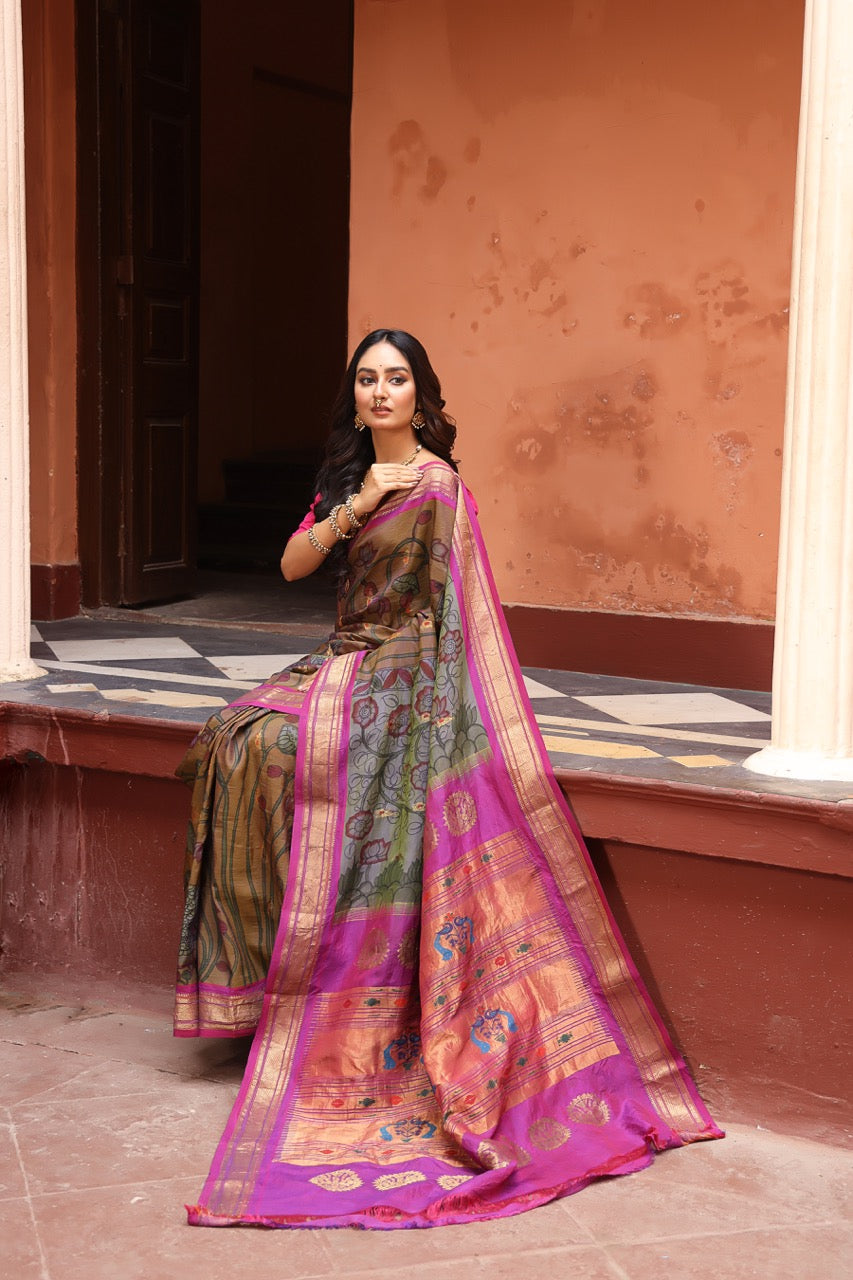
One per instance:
(385, 878)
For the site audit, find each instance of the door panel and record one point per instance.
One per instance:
(162, 427)
(138, 103)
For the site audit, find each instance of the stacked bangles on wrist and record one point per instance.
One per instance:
(340, 536)
(317, 544)
(351, 516)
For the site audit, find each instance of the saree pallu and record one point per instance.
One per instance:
(450, 1027)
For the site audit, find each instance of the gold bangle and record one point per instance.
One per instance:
(336, 528)
(317, 544)
(351, 516)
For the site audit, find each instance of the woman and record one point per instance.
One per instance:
(385, 880)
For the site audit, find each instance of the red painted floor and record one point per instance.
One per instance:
(107, 1125)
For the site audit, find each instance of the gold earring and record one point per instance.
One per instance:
(359, 425)
(418, 421)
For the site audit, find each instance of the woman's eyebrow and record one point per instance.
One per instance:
(394, 368)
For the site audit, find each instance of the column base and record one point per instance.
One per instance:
(813, 766)
(23, 670)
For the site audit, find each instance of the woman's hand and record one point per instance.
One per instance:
(383, 478)
(301, 555)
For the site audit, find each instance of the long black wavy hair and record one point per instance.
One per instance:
(349, 452)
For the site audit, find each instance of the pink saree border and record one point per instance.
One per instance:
(213, 988)
(444, 1212)
(289, 705)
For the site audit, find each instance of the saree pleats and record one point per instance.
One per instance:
(241, 768)
(451, 1027)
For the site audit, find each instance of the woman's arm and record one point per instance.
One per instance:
(301, 556)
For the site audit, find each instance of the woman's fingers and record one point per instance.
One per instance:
(388, 476)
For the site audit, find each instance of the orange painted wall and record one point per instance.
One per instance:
(585, 210)
(49, 123)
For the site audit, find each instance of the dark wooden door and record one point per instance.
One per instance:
(161, 430)
(139, 392)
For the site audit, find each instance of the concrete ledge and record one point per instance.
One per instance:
(148, 748)
(765, 827)
(746, 826)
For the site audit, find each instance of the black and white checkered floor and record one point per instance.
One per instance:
(181, 671)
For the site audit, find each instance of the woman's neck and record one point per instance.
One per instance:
(394, 446)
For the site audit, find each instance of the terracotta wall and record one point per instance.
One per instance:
(585, 212)
(273, 226)
(91, 883)
(49, 107)
(748, 1034)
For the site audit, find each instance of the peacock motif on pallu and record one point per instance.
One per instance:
(455, 935)
(492, 1027)
(402, 1052)
(408, 1130)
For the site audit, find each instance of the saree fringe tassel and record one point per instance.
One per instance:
(386, 885)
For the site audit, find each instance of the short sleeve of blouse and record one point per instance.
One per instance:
(309, 519)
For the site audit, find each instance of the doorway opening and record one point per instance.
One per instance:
(214, 217)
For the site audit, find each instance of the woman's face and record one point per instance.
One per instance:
(385, 393)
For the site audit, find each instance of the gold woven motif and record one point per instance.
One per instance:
(586, 1108)
(492, 1155)
(547, 1134)
(389, 1181)
(337, 1180)
(460, 812)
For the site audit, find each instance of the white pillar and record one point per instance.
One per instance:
(15, 662)
(812, 732)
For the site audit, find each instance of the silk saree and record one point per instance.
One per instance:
(386, 885)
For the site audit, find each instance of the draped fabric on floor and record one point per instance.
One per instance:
(385, 878)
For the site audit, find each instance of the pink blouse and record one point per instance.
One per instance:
(309, 520)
